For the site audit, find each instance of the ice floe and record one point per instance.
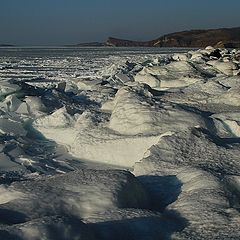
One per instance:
(120, 145)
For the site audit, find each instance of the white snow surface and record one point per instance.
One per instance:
(135, 144)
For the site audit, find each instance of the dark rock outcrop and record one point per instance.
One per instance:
(228, 44)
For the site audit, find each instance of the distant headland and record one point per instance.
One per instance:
(221, 37)
(6, 45)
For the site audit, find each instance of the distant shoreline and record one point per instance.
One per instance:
(218, 38)
(7, 45)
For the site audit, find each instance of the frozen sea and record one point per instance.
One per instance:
(29, 62)
(119, 143)
(45, 67)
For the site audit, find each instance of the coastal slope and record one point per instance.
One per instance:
(223, 37)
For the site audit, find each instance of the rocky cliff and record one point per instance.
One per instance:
(223, 37)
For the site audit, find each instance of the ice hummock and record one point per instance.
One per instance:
(72, 128)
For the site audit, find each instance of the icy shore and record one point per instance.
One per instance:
(140, 147)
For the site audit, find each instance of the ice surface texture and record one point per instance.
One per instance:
(103, 144)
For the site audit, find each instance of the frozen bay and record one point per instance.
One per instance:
(126, 143)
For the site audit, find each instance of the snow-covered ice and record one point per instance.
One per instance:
(135, 144)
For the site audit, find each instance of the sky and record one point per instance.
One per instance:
(56, 22)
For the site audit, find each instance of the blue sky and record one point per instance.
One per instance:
(50, 22)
